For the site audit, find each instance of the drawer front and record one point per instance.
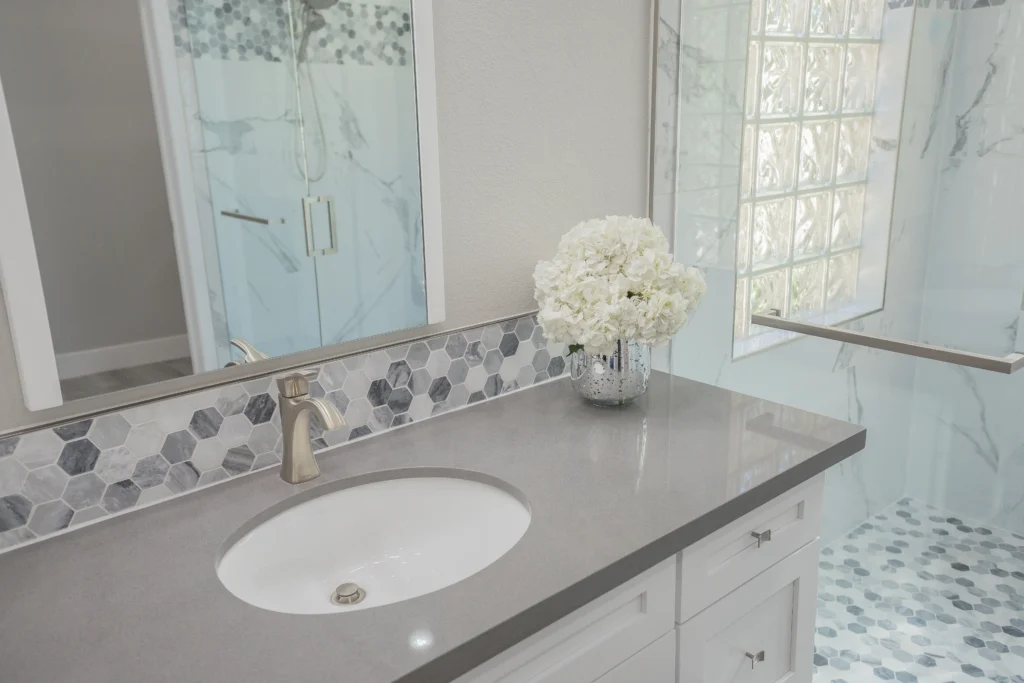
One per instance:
(763, 632)
(656, 663)
(593, 640)
(734, 555)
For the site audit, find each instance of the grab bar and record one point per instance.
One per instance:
(1005, 364)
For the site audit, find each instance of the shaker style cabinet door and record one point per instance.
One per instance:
(763, 632)
(656, 663)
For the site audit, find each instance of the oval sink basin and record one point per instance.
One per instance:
(383, 541)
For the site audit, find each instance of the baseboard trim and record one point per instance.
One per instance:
(104, 358)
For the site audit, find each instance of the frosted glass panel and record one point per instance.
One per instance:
(809, 101)
(807, 293)
(824, 66)
(854, 147)
(817, 150)
(773, 223)
(768, 292)
(866, 18)
(813, 217)
(828, 17)
(849, 217)
(785, 17)
(859, 88)
(842, 280)
(780, 79)
(776, 158)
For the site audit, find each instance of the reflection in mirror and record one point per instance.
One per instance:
(216, 183)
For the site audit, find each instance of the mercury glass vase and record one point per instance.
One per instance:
(615, 379)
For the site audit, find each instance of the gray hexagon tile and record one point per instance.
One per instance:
(7, 445)
(918, 594)
(109, 431)
(87, 470)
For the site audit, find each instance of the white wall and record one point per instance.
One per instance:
(84, 129)
(543, 122)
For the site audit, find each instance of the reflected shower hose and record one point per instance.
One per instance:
(312, 21)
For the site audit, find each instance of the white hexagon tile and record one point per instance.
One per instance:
(56, 478)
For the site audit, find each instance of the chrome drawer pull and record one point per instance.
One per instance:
(754, 659)
(762, 538)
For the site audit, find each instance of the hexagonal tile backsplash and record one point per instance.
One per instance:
(82, 471)
(257, 30)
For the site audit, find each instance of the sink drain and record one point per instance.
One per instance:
(347, 594)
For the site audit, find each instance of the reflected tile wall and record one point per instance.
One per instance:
(55, 479)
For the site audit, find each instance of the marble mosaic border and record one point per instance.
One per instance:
(54, 479)
(243, 30)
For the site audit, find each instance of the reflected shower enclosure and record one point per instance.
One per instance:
(304, 179)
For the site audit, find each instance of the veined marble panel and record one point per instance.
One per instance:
(968, 443)
(362, 146)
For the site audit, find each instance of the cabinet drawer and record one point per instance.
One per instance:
(593, 640)
(656, 663)
(732, 556)
(763, 632)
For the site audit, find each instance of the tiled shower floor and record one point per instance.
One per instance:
(916, 594)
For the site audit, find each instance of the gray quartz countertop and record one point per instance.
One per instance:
(612, 492)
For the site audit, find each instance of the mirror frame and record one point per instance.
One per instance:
(22, 286)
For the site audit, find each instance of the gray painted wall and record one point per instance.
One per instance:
(543, 110)
(78, 93)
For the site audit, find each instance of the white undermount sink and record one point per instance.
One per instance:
(374, 543)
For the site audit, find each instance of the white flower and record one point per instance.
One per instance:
(614, 278)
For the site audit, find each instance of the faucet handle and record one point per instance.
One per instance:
(294, 385)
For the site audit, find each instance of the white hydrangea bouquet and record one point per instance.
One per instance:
(614, 281)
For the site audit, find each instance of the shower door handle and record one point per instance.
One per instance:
(307, 223)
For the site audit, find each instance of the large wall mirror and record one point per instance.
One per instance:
(208, 183)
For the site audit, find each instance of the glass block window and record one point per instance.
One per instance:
(810, 90)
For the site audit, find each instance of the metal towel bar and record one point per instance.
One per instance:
(1005, 364)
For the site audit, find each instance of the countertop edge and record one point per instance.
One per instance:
(465, 657)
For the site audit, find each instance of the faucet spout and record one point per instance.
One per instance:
(297, 462)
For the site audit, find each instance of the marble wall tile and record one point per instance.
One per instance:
(54, 479)
(967, 452)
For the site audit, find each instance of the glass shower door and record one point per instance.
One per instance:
(253, 153)
(362, 148)
(922, 563)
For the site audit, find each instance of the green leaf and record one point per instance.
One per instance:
(573, 348)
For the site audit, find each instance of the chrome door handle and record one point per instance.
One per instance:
(755, 658)
(762, 538)
(307, 222)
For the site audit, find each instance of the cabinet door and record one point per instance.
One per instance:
(763, 632)
(595, 639)
(656, 663)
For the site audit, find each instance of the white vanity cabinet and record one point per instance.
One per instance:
(737, 607)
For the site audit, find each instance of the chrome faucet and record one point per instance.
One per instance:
(297, 462)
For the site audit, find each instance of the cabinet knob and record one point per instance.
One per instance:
(762, 536)
(755, 658)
